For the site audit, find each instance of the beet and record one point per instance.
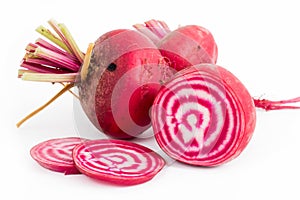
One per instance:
(186, 46)
(123, 77)
(203, 116)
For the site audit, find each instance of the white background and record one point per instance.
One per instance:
(258, 41)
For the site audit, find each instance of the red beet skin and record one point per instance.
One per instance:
(126, 71)
(189, 45)
(204, 116)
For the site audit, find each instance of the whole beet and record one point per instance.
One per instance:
(187, 46)
(125, 72)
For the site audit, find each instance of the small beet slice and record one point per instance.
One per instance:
(56, 154)
(117, 161)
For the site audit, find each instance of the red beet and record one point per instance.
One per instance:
(203, 116)
(186, 46)
(124, 75)
(56, 154)
(117, 161)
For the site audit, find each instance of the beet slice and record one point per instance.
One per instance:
(204, 116)
(56, 154)
(117, 161)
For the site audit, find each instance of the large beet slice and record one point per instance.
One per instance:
(117, 161)
(204, 116)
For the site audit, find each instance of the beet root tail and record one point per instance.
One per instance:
(268, 105)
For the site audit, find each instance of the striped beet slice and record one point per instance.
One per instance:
(204, 116)
(56, 154)
(117, 161)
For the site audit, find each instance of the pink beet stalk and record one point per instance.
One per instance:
(144, 30)
(159, 28)
(276, 105)
(47, 45)
(56, 64)
(44, 58)
(38, 65)
(155, 30)
(57, 58)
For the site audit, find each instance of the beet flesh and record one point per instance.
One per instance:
(125, 72)
(56, 154)
(117, 161)
(204, 116)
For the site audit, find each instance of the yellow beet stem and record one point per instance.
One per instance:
(67, 38)
(74, 47)
(66, 88)
(86, 62)
(53, 78)
(57, 30)
(52, 37)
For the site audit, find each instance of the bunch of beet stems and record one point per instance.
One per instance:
(58, 63)
(61, 61)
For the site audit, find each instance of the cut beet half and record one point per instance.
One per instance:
(56, 154)
(204, 116)
(117, 161)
